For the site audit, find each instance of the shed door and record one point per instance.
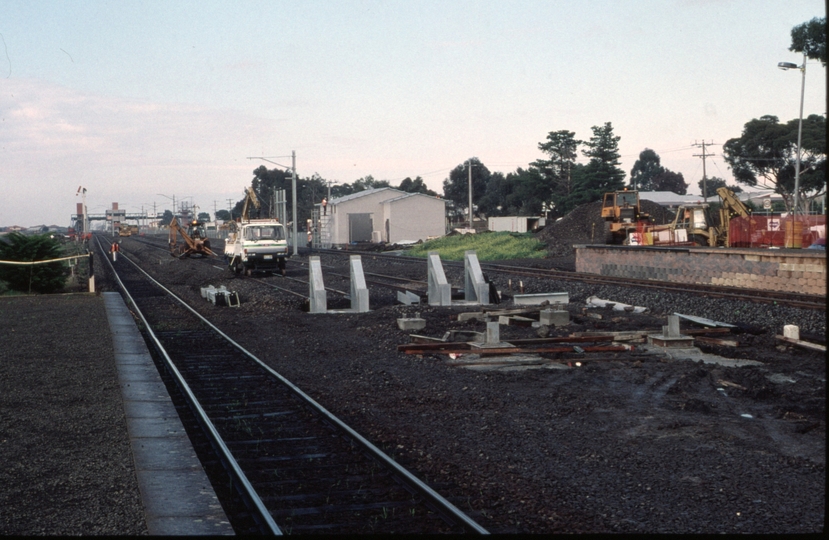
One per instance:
(359, 227)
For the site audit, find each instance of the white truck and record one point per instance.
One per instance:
(257, 245)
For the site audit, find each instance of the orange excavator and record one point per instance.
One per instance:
(195, 240)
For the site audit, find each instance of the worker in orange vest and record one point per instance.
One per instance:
(114, 249)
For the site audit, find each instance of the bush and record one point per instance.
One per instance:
(40, 278)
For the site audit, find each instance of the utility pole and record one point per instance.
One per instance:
(469, 163)
(703, 156)
(293, 198)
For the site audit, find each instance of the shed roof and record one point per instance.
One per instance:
(363, 193)
(408, 195)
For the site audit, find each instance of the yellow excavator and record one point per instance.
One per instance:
(622, 215)
(195, 239)
(693, 225)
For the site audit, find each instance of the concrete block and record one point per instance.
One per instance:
(493, 333)
(413, 323)
(539, 298)
(359, 291)
(316, 287)
(791, 331)
(476, 289)
(407, 297)
(550, 317)
(440, 292)
(473, 316)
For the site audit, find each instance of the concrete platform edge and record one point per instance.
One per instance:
(175, 492)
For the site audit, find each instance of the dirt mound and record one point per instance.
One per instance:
(584, 225)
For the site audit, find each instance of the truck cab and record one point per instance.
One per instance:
(258, 245)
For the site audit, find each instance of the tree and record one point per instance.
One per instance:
(646, 168)
(204, 216)
(40, 278)
(809, 38)
(562, 149)
(602, 172)
(670, 181)
(496, 199)
(714, 183)
(767, 150)
(166, 217)
(222, 215)
(456, 187)
(415, 186)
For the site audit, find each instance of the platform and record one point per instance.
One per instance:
(789, 270)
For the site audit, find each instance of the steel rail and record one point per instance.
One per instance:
(265, 518)
(753, 295)
(427, 492)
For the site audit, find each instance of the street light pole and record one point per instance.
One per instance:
(787, 66)
(469, 164)
(293, 192)
(293, 197)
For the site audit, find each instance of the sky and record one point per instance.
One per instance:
(141, 102)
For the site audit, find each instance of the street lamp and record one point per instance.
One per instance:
(786, 66)
(293, 192)
(469, 164)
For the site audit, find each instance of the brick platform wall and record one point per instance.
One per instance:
(793, 270)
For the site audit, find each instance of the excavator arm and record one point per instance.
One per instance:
(191, 246)
(731, 207)
(250, 198)
(732, 204)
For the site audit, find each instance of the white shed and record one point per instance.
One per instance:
(518, 224)
(383, 214)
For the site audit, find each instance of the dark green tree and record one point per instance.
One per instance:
(498, 192)
(456, 187)
(415, 186)
(669, 181)
(204, 216)
(767, 151)
(645, 169)
(222, 215)
(602, 173)
(40, 278)
(561, 148)
(714, 183)
(166, 217)
(809, 38)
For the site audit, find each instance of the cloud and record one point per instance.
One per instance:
(54, 138)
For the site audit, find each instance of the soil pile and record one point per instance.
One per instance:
(584, 225)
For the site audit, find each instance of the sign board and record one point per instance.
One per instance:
(767, 204)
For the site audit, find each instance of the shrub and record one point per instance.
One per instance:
(41, 278)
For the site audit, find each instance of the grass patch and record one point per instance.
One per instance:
(490, 246)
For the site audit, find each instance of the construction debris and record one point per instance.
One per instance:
(617, 306)
(804, 344)
(220, 296)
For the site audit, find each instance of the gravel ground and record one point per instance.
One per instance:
(630, 442)
(67, 465)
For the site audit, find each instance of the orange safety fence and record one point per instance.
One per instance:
(776, 231)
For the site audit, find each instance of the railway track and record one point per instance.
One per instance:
(712, 291)
(749, 295)
(297, 467)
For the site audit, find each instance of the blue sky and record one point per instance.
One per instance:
(142, 101)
